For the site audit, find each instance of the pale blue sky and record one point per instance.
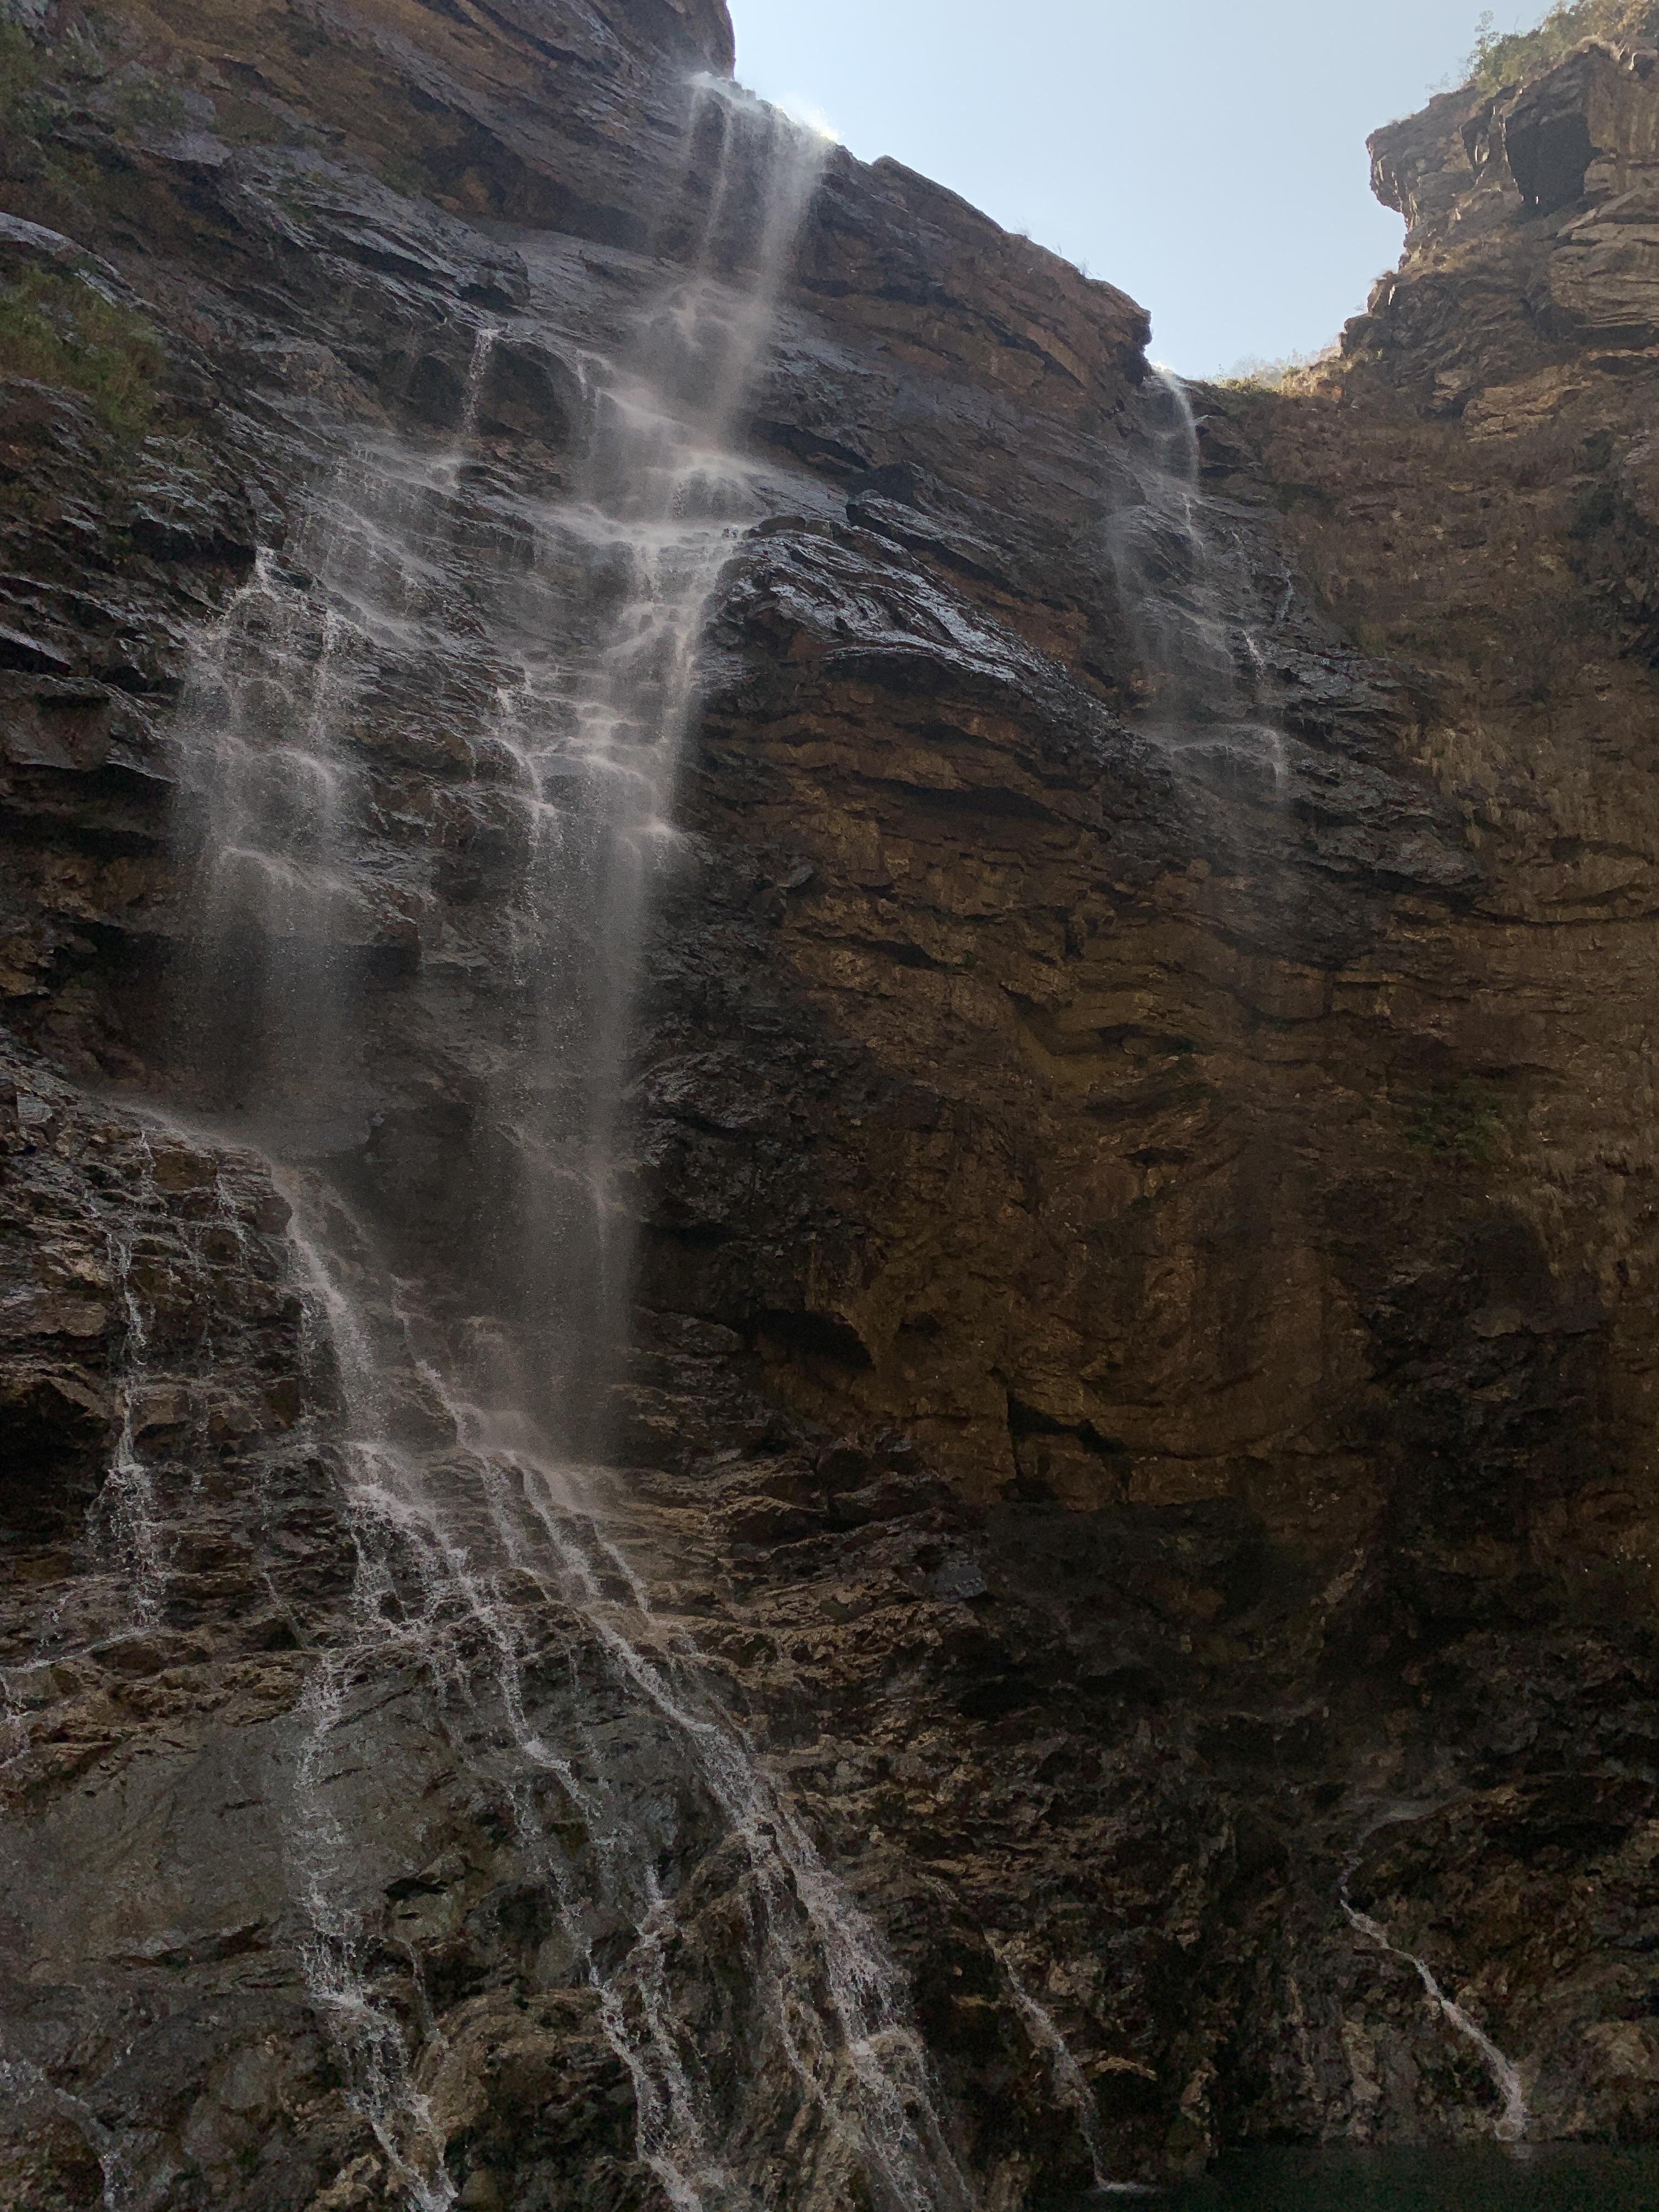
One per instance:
(1209, 156)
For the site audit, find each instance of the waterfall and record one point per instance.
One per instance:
(126, 1520)
(25, 2085)
(429, 762)
(1202, 677)
(1511, 2125)
(1069, 2082)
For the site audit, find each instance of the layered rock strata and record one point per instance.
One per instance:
(1144, 1373)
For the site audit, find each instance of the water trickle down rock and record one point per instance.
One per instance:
(1137, 1308)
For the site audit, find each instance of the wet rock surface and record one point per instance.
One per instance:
(1145, 1292)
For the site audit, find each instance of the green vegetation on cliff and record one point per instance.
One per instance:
(20, 70)
(1461, 1118)
(59, 329)
(1501, 59)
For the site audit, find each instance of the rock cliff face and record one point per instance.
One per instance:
(1148, 1238)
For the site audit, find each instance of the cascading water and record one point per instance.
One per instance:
(1201, 675)
(126, 1522)
(1072, 2088)
(1510, 2126)
(27, 2089)
(1197, 616)
(444, 673)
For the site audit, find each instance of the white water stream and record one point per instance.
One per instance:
(1070, 2084)
(27, 2089)
(1189, 600)
(433, 668)
(1511, 2125)
(1186, 597)
(125, 1525)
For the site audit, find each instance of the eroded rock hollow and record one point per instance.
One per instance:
(828, 1231)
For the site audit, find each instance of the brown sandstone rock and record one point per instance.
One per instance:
(1149, 1262)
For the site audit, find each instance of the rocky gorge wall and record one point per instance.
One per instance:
(1143, 1340)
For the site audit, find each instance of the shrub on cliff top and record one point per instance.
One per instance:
(58, 330)
(1498, 60)
(1254, 373)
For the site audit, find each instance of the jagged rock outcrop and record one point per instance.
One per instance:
(1146, 1278)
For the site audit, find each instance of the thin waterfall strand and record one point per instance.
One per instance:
(1512, 2122)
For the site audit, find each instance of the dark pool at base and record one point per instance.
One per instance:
(1443, 2178)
